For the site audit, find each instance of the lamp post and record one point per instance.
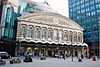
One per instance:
(92, 42)
(0, 31)
(86, 48)
(58, 46)
(72, 52)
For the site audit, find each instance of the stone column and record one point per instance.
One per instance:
(72, 37)
(62, 36)
(53, 49)
(16, 49)
(46, 50)
(47, 34)
(77, 37)
(53, 35)
(40, 33)
(19, 29)
(82, 37)
(27, 30)
(34, 32)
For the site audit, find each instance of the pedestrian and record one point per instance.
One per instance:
(82, 56)
(93, 58)
(63, 56)
(79, 57)
(27, 53)
(66, 55)
(72, 56)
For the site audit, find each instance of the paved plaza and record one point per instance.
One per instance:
(55, 62)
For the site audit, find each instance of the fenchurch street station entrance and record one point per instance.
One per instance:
(47, 33)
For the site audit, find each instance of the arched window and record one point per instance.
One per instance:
(50, 35)
(43, 33)
(75, 38)
(30, 32)
(70, 37)
(79, 37)
(7, 21)
(37, 33)
(8, 14)
(56, 35)
(60, 35)
(65, 36)
(23, 31)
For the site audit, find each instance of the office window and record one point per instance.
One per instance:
(93, 13)
(92, 2)
(97, 6)
(11, 33)
(8, 15)
(97, 1)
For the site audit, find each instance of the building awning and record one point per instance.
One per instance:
(75, 44)
(84, 44)
(68, 43)
(79, 44)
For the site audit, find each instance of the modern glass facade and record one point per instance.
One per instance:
(27, 7)
(1, 8)
(87, 14)
(8, 29)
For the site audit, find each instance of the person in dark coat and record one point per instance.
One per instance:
(63, 55)
(82, 56)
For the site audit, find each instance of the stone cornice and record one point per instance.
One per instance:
(45, 23)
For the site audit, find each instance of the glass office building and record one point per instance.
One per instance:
(1, 6)
(8, 28)
(28, 7)
(87, 14)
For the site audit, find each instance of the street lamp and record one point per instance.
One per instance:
(92, 42)
(72, 52)
(58, 46)
(72, 49)
(86, 46)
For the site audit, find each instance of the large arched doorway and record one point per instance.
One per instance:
(36, 52)
(50, 53)
(43, 51)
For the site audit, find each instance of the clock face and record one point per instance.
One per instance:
(55, 21)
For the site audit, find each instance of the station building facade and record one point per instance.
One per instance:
(46, 33)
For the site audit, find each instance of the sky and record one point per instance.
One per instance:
(60, 6)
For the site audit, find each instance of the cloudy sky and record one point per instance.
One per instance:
(59, 5)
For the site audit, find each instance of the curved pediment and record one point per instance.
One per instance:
(51, 19)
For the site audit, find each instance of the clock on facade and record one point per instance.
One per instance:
(55, 21)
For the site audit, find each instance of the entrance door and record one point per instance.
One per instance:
(49, 53)
(36, 52)
(76, 53)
